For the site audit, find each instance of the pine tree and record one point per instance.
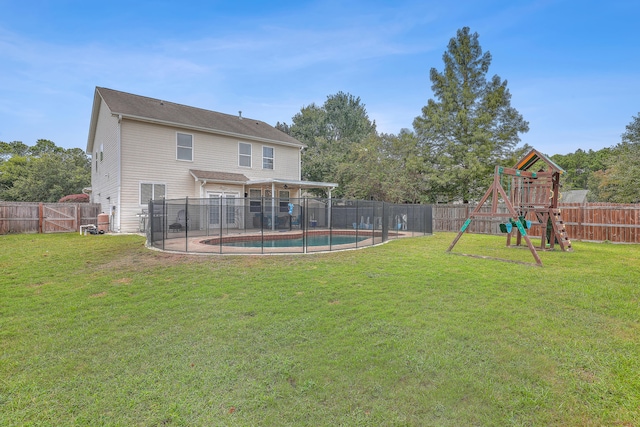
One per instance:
(470, 126)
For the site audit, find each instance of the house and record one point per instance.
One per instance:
(144, 148)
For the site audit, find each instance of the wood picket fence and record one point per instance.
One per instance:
(599, 222)
(28, 217)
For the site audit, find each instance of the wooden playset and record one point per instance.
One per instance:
(528, 196)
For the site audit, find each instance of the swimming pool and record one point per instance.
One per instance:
(312, 240)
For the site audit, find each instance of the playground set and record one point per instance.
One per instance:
(528, 196)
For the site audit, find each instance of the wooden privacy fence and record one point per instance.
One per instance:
(19, 217)
(591, 221)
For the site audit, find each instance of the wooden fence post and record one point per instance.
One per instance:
(40, 217)
(78, 216)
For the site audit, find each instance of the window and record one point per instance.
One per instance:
(101, 152)
(255, 200)
(184, 147)
(244, 154)
(267, 157)
(283, 195)
(96, 159)
(268, 201)
(151, 191)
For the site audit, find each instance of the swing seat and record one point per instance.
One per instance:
(525, 222)
(506, 228)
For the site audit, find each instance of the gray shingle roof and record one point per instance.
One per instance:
(145, 108)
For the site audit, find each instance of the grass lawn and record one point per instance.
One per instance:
(99, 330)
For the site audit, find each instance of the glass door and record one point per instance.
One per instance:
(214, 209)
(223, 210)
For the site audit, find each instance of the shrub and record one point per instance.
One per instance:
(75, 198)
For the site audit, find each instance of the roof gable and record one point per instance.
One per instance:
(532, 158)
(143, 108)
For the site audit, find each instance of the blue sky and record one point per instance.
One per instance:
(572, 66)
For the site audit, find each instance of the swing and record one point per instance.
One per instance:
(525, 222)
(506, 228)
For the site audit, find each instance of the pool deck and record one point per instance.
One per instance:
(199, 245)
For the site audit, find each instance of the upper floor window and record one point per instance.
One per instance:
(101, 152)
(267, 157)
(244, 154)
(184, 147)
(151, 191)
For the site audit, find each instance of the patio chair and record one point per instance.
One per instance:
(181, 221)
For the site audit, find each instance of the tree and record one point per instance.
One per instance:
(283, 127)
(619, 182)
(470, 126)
(10, 149)
(44, 146)
(43, 172)
(371, 171)
(330, 133)
(580, 167)
(632, 134)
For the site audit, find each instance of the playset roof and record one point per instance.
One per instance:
(532, 158)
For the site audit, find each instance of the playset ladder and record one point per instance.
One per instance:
(559, 230)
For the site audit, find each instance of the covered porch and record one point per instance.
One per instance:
(270, 203)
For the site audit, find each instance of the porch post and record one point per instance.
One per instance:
(329, 214)
(273, 206)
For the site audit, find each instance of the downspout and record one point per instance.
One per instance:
(119, 175)
(300, 163)
(204, 182)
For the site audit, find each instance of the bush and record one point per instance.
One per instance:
(75, 198)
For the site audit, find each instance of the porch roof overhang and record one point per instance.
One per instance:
(293, 183)
(240, 179)
(222, 177)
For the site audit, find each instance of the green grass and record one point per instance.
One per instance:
(99, 330)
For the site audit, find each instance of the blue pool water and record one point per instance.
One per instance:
(322, 240)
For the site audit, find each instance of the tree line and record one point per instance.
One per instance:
(43, 172)
(464, 131)
(611, 174)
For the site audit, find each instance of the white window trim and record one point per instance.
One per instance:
(153, 183)
(192, 147)
(245, 155)
(273, 159)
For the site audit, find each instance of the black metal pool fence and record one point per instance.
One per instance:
(226, 225)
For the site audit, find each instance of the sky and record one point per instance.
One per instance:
(572, 67)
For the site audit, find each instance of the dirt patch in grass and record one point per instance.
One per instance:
(586, 376)
(99, 295)
(36, 285)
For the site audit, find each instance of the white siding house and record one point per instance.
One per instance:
(145, 148)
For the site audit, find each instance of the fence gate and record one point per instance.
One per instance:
(59, 219)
